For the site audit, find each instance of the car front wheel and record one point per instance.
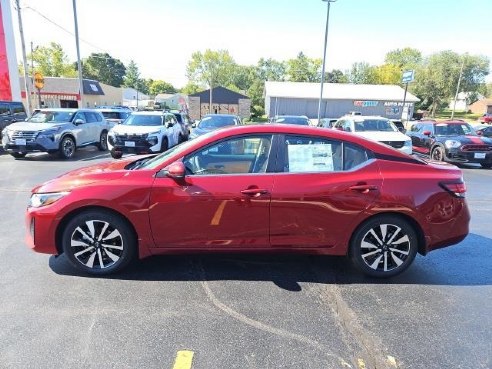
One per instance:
(18, 155)
(67, 147)
(383, 246)
(437, 154)
(99, 242)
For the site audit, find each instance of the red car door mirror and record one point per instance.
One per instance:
(175, 170)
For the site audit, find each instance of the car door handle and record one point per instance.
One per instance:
(254, 191)
(363, 188)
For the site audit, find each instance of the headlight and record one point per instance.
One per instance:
(408, 143)
(452, 144)
(43, 199)
(6, 132)
(49, 133)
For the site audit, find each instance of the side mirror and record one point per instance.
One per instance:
(169, 124)
(427, 133)
(194, 124)
(175, 170)
(78, 121)
(480, 133)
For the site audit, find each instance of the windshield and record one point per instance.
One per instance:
(454, 130)
(143, 120)
(293, 120)
(51, 116)
(161, 158)
(374, 125)
(217, 121)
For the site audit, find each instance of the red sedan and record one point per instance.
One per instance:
(257, 188)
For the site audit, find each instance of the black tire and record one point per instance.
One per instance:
(99, 242)
(18, 155)
(181, 138)
(164, 144)
(116, 154)
(383, 246)
(437, 153)
(67, 147)
(103, 141)
(486, 165)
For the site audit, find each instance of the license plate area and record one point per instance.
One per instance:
(129, 144)
(479, 155)
(20, 142)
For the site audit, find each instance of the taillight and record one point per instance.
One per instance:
(457, 189)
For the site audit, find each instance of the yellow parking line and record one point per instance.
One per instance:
(184, 360)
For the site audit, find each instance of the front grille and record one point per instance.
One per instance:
(27, 135)
(476, 147)
(395, 144)
(130, 137)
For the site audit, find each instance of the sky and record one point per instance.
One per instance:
(161, 35)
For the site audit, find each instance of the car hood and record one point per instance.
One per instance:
(122, 129)
(108, 171)
(383, 136)
(467, 140)
(28, 126)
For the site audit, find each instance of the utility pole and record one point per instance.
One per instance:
(458, 87)
(79, 64)
(24, 60)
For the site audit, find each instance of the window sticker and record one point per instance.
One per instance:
(310, 158)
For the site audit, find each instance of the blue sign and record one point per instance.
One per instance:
(408, 76)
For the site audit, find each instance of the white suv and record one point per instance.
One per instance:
(146, 132)
(375, 128)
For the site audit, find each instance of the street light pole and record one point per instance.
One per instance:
(324, 56)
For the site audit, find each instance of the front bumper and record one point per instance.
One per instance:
(43, 144)
(134, 145)
(460, 156)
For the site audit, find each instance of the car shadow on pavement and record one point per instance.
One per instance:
(468, 263)
(83, 154)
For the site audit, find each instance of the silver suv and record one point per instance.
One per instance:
(59, 131)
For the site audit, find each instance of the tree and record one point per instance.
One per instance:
(304, 69)
(407, 58)
(436, 80)
(191, 88)
(336, 76)
(104, 68)
(212, 68)
(52, 61)
(132, 76)
(387, 74)
(160, 87)
(270, 70)
(362, 73)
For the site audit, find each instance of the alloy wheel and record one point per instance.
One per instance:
(97, 244)
(385, 247)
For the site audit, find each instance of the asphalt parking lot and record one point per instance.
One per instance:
(240, 311)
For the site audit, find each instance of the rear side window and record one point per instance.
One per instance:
(18, 109)
(305, 154)
(4, 109)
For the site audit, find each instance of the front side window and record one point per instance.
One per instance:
(239, 155)
(91, 117)
(306, 154)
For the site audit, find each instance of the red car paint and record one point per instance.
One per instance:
(273, 211)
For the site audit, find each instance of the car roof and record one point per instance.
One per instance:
(220, 115)
(160, 113)
(278, 128)
(435, 122)
(359, 118)
(68, 110)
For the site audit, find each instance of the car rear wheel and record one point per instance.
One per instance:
(18, 155)
(103, 141)
(437, 154)
(99, 242)
(383, 246)
(67, 147)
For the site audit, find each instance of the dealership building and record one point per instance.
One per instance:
(302, 98)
